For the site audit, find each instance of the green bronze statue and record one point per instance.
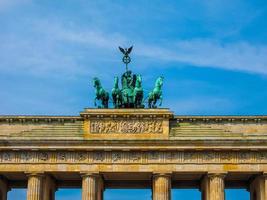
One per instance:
(138, 93)
(100, 94)
(131, 94)
(156, 94)
(128, 84)
(116, 94)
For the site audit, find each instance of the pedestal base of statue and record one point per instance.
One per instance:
(138, 124)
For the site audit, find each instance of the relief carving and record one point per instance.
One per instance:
(135, 156)
(126, 126)
(116, 156)
(43, 156)
(81, 156)
(7, 157)
(99, 156)
(209, 156)
(153, 155)
(25, 156)
(226, 156)
(190, 156)
(62, 156)
(148, 157)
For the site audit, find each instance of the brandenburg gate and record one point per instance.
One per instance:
(130, 146)
(133, 148)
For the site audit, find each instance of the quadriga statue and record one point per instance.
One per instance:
(131, 94)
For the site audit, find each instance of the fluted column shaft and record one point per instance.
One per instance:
(162, 187)
(3, 189)
(213, 187)
(90, 186)
(35, 187)
(258, 188)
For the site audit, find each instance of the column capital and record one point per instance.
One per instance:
(166, 174)
(216, 174)
(91, 174)
(37, 174)
(212, 186)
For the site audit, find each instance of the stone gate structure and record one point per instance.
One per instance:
(133, 148)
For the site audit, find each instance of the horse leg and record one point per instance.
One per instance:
(105, 102)
(160, 100)
(149, 102)
(117, 101)
(95, 101)
(154, 102)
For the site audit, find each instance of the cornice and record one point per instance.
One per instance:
(31, 119)
(221, 119)
(6, 119)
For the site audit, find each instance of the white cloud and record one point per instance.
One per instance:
(50, 53)
(238, 56)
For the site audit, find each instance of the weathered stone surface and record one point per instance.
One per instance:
(35, 186)
(213, 186)
(92, 187)
(134, 124)
(161, 186)
(258, 188)
(134, 144)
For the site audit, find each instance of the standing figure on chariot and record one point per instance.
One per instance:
(128, 83)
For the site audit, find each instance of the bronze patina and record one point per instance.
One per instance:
(131, 94)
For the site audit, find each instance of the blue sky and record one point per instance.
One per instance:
(127, 194)
(212, 53)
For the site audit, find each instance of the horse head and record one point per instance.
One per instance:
(138, 81)
(159, 81)
(116, 82)
(96, 82)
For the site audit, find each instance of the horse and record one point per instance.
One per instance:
(138, 93)
(116, 93)
(100, 94)
(156, 94)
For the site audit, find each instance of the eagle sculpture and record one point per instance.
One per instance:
(126, 51)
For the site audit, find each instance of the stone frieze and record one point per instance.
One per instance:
(135, 157)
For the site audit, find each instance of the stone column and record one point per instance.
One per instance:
(161, 186)
(35, 186)
(100, 189)
(258, 188)
(91, 186)
(49, 188)
(212, 187)
(3, 188)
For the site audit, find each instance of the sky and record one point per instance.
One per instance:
(212, 53)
